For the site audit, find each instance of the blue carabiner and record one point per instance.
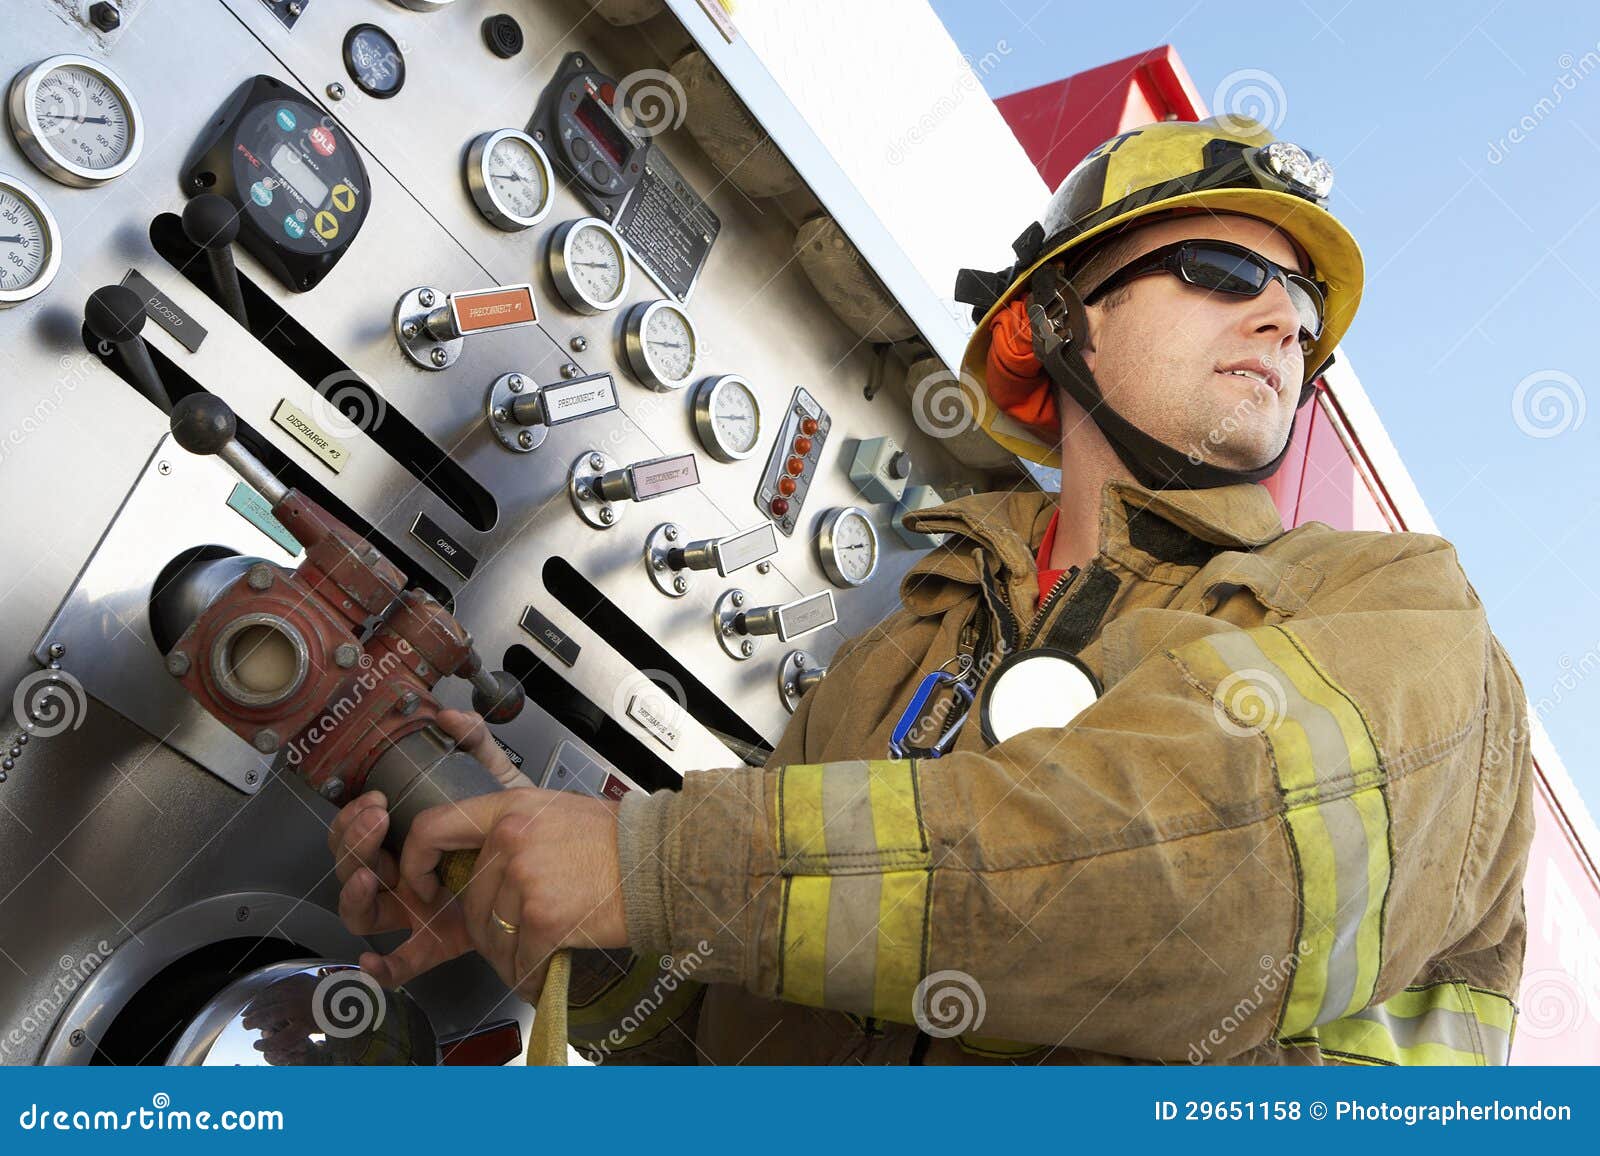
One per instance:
(912, 715)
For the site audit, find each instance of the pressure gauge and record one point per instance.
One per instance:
(510, 179)
(661, 346)
(727, 417)
(848, 546)
(589, 265)
(30, 243)
(76, 120)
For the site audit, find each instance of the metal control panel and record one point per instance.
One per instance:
(479, 368)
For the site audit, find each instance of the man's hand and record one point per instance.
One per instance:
(547, 865)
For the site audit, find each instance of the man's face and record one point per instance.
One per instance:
(1161, 355)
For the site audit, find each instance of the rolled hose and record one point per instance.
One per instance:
(425, 769)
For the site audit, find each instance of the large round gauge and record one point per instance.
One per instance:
(661, 346)
(30, 243)
(76, 120)
(589, 265)
(727, 417)
(510, 179)
(848, 545)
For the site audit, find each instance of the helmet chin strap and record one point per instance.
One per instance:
(1060, 324)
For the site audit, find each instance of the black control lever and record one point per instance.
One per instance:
(114, 314)
(212, 223)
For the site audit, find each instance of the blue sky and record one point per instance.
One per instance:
(1483, 263)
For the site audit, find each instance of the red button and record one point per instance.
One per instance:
(796, 466)
(787, 486)
(808, 426)
(780, 506)
(802, 446)
(322, 140)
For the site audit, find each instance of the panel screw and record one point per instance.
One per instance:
(336, 91)
(408, 703)
(163, 468)
(177, 664)
(332, 790)
(410, 329)
(515, 382)
(607, 515)
(104, 15)
(596, 461)
(259, 576)
(570, 371)
(525, 440)
(680, 584)
(738, 598)
(76, 1038)
(57, 650)
(763, 567)
(672, 533)
(578, 344)
(345, 654)
(250, 778)
(747, 648)
(438, 356)
(426, 297)
(266, 741)
(240, 914)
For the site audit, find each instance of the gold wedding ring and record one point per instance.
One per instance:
(504, 925)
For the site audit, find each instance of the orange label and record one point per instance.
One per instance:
(494, 308)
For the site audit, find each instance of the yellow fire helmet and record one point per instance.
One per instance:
(1222, 164)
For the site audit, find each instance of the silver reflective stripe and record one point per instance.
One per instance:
(1330, 757)
(1460, 1031)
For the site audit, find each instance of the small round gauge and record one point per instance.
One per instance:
(374, 61)
(30, 243)
(76, 120)
(847, 543)
(661, 345)
(510, 179)
(589, 264)
(727, 417)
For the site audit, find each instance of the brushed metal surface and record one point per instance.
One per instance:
(105, 828)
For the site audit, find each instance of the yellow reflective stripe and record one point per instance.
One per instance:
(1336, 814)
(855, 942)
(1439, 1024)
(635, 1009)
(855, 815)
(855, 898)
(805, 939)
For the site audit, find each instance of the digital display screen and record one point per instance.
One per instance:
(604, 130)
(298, 176)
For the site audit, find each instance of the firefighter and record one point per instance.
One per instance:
(1184, 787)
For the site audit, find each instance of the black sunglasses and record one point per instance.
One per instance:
(1227, 268)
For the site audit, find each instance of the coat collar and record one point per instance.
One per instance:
(1187, 526)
